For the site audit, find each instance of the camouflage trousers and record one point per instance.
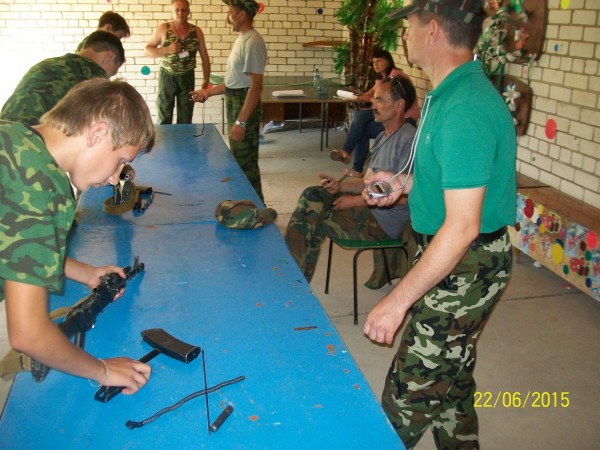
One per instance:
(430, 381)
(314, 219)
(171, 88)
(246, 151)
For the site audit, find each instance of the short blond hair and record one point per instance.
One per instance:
(115, 102)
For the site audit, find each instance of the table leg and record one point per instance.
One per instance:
(223, 114)
(300, 113)
(323, 106)
(326, 125)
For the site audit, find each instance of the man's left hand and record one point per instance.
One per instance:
(237, 133)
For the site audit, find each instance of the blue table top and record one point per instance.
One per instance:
(240, 296)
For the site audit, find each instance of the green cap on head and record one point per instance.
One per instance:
(243, 214)
(250, 6)
(467, 11)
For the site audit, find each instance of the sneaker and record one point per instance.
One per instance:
(340, 155)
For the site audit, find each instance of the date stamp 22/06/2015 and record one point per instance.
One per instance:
(516, 399)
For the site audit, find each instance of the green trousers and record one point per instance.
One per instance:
(173, 88)
(430, 381)
(246, 152)
(314, 219)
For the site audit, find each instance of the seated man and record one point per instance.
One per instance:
(49, 80)
(336, 208)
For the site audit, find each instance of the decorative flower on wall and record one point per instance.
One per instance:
(511, 94)
(495, 48)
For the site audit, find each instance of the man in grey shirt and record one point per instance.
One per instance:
(336, 208)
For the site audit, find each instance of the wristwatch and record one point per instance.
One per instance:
(240, 124)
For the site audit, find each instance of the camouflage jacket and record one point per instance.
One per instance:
(36, 211)
(45, 84)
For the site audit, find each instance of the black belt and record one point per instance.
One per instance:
(239, 91)
(484, 238)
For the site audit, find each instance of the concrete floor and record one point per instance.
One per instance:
(542, 338)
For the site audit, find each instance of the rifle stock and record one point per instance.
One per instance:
(82, 317)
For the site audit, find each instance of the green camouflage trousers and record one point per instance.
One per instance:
(314, 219)
(246, 151)
(430, 381)
(171, 88)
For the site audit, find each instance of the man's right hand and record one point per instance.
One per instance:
(201, 95)
(126, 372)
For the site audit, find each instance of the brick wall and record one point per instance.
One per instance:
(32, 31)
(565, 82)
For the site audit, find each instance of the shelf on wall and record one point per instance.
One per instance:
(323, 44)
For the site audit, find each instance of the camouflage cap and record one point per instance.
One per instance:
(243, 214)
(250, 6)
(467, 11)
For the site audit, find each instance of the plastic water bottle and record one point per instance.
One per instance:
(316, 78)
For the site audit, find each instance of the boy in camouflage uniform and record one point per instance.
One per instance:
(97, 128)
(336, 209)
(113, 23)
(242, 88)
(462, 195)
(49, 80)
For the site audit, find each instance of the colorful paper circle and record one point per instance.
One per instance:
(551, 129)
(557, 253)
(261, 7)
(592, 239)
(529, 207)
(564, 4)
(145, 70)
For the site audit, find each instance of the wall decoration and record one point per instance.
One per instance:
(513, 33)
(551, 128)
(558, 242)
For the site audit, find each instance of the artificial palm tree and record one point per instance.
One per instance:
(368, 27)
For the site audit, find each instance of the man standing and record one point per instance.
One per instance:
(336, 209)
(461, 196)
(49, 80)
(177, 43)
(113, 23)
(242, 88)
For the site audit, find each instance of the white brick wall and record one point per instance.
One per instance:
(565, 82)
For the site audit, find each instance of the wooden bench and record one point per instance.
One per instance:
(559, 232)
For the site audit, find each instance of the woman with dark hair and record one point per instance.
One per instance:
(364, 127)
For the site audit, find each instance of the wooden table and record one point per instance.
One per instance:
(329, 106)
(238, 294)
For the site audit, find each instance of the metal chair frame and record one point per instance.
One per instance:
(361, 246)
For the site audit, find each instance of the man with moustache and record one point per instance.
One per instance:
(462, 195)
(242, 87)
(336, 209)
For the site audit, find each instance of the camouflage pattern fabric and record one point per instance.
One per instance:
(251, 6)
(246, 151)
(314, 219)
(243, 214)
(398, 263)
(173, 88)
(36, 211)
(172, 62)
(45, 84)
(430, 381)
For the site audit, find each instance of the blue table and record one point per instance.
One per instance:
(238, 294)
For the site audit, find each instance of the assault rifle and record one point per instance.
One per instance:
(82, 317)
